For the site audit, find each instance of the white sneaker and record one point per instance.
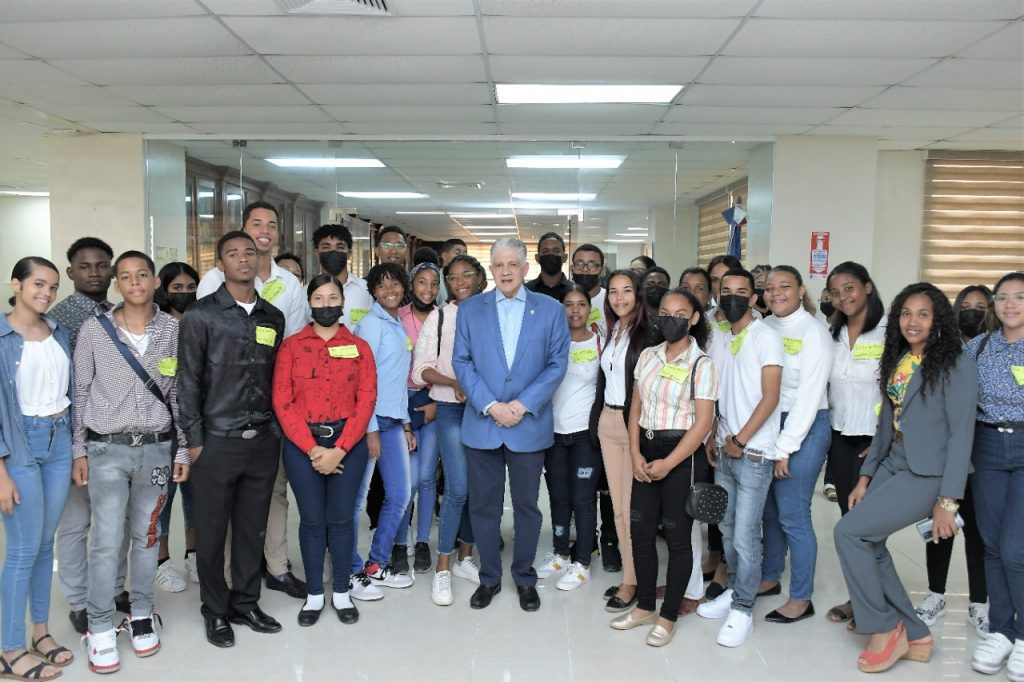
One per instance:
(385, 576)
(736, 629)
(718, 607)
(468, 569)
(192, 568)
(931, 608)
(1015, 666)
(991, 654)
(441, 589)
(168, 578)
(576, 575)
(977, 615)
(145, 641)
(553, 565)
(362, 588)
(102, 648)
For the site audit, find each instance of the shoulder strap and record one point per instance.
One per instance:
(440, 324)
(132, 361)
(981, 346)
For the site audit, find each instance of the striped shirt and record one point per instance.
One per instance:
(664, 386)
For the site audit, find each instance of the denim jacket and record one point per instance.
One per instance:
(13, 443)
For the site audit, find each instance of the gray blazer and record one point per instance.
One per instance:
(938, 428)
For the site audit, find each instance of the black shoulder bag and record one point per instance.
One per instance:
(707, 502)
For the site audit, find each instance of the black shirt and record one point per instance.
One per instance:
(556, 292)
(226, 364)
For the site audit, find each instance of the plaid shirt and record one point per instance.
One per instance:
(110, 397)
(73, 311)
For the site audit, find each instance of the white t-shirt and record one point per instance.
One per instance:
(357, 301)
(613, 363)
(757, 346)
(853, 391)
(575, 395)
(42, 378)
(247, 307)
(282, 289)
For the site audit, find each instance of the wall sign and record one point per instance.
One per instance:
(819, 255)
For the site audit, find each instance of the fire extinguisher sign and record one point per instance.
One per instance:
(819, 255)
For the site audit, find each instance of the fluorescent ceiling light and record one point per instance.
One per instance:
(384, 195)
(326, 163)
(234, 197)
(496, 234)
(578, 212)
(488, 227)
(630, 234)
(482, 215)
(641, 229)
(625, 241)
(22, 193)
(205, 195)
(564, 161)
(553, 196)
(521, 93)
(419, 212)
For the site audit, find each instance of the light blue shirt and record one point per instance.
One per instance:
(390, 345)
(510, 321)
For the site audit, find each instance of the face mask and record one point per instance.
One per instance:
(760, 298)
(421, 306)
(971, 321)
(333, 262)
(654, 295)
(588, 282)
(734, 307)
(673, 328)
(326, 316)
(826, 308)
(550, 264)
(180, 300)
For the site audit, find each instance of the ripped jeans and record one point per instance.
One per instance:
(572, 467)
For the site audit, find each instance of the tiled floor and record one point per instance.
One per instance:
(406, 637)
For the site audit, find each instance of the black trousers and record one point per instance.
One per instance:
(571, 467)
(844, 462)
(939, 555)
(232, 482)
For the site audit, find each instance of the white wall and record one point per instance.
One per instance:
(165, 203)
(675, 240)
(24, 231)
(899, 221)
(760, 174)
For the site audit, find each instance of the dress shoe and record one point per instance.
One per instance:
(256, 620)
(79, 621)
(771, 591)
(308, 617)
(481, 599)
(611, 558)
(659, 636)
(616, 604)
(288, 584)
(123, 602)
(610, 592)
(529, 600)
(219, 632)
(628, 621)
(776, 617)
(349, 615)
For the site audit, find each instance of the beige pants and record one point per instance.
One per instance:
(275, 546)
(618, 468)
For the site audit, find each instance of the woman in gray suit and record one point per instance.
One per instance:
(916, 467)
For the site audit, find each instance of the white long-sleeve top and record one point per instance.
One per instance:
(806, 364)
(853, 391)
(426, 353)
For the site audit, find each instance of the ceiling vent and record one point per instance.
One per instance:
(334, 7)
(444, 184)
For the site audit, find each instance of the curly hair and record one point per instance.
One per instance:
(382, 271)
(699, 331)
(943, 347)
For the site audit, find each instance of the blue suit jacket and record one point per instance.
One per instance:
(542, 355)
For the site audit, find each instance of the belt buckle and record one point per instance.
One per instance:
(136, 440)
(650, 434)
(329, 428)
(1005, 429)
(249, 434)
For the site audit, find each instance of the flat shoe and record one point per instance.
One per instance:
(659, 636)
(776, 617)
(771, 591)
(627, 622)
(610, 592)
(308, 617)
(614, 605)
(348, 616)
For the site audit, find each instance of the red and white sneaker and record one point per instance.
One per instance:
(145, 641)
(102, 649)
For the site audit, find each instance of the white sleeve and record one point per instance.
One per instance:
(815, 367)
(210, 282)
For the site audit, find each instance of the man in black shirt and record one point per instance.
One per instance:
(551, 256)
(227, 346)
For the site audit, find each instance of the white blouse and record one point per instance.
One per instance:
(853, 391)
(575, 395)
(613, 363)
(42, 379)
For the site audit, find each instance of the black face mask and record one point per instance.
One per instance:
(328, 315)
(672, 328)
(826, 308)
(421, 306)
(550, 263)
(971, 321)
(588, 282)
(333, 262)
(734, 307)
(760, 298)
(181, 300)
(654, 294)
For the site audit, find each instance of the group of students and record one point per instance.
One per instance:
(233, 386)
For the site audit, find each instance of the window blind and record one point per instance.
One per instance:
(713, 234)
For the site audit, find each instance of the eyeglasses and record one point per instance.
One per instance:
(465, 277)
(1003, 299)
(392, 246)
(587, 266)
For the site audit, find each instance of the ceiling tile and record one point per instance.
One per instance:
(931, 10)
(555, 113)
(242, 129)
(569, 131)
(616, 8)
(821, 38)
(107, 113)
(901, 97)
(1006, 44)
(398, 93)
(1013, 135)
(250, 114)
(750, 114)
(469, 114)
(73, 94)
(383, 69)
(76, 10)
(431, 8)
(127, 38)
(171, 71)
(971, 145)
(7, 52)
(890, 132)
(568, 69)
(911, 117)
(896, 145)
(1015, 122)
(972, 73)
(775, 96)
(32, 73)
(148, 127)
(739, 131)
(810, 71)
(210, 95)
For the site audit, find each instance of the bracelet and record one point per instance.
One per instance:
(737, 443)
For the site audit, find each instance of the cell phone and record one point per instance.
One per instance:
(924, 526)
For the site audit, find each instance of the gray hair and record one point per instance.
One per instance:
(510, 243)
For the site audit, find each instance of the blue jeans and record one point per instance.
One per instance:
(998, 487)
(423, 466)
(787, 512)
(747, 484)
(326, 510)
(453, 523)
(395, 472)
(186, 507)
(28, 563)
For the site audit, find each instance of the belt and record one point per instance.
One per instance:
(664, 434)
(245, 434)
(327, 430)
(620, 408)
(897, 437)
(131, 439)
(1005, 427)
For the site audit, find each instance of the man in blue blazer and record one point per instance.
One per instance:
(511, 353)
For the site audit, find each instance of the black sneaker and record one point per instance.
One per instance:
(79, 621)
(422, 561)
(123, 602)
(611, 559)
(400, 558)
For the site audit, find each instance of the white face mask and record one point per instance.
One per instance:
(713, 303)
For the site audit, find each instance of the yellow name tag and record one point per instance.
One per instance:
(737, 343)
(595, 315)
(1018, 374)
(792, 346)
(674, 373)
(408, 343)
(168, 367)
(583, 355)
(357, 315)
(266, 336)
(347, 352)
(272, 290)
(723, 326)
(878, 409)
(868, 351)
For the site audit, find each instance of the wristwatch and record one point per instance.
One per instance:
(949, 504)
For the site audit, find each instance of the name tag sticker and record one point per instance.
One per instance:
(792, 346)
(1018, 373)
(272, 290)
(724, 326)
(408, 343)
(348, 352)
(674, 373)
(357, 314)
(595, 315)
(878, 409)
(266, 336)
(583, 355)
(168, 367)
(868, 351)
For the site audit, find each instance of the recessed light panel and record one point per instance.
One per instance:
(524, 93)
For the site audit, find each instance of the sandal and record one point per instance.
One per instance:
(852, 626)
(840, 614)
(53, 653)
(35, 673)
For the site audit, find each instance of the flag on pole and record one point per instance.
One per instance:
(736, 217)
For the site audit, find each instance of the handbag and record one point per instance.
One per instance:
(706, 502)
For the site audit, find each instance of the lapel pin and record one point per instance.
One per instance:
(532, 311)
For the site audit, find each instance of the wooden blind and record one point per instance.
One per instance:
(713, 235)
(973, 218)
